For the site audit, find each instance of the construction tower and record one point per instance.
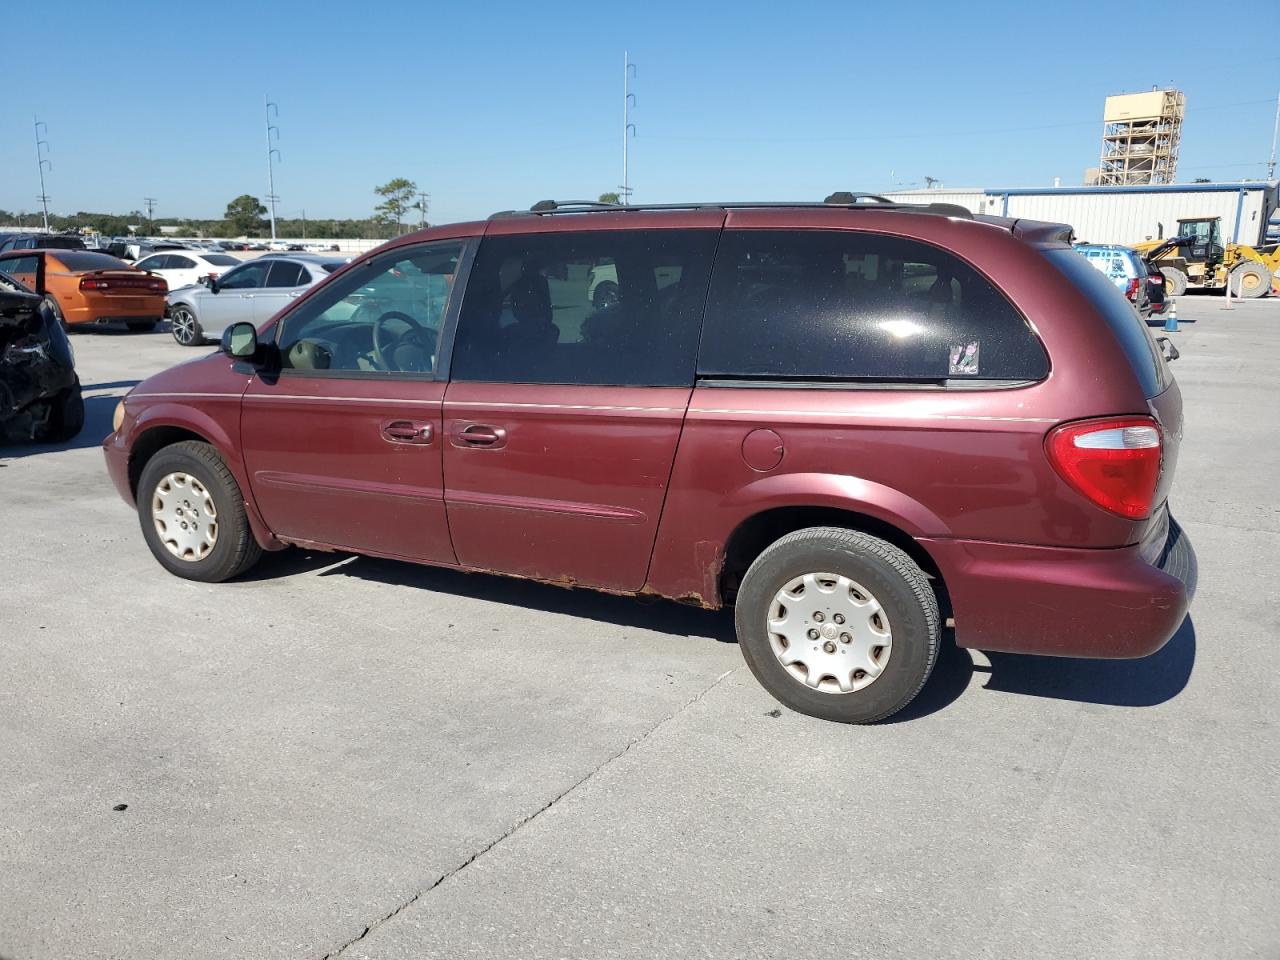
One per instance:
(1140, 134)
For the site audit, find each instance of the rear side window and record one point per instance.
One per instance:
(283, 274)
(842, 305)
(1130, 329)
(607, 307)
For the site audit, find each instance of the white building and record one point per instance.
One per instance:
(1128, 214)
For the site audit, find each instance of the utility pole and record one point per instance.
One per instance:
(304, 223)
(422, 209)
(42, 147)
(151, 220)
(628, 128)
(1275, 131)
(273, 154)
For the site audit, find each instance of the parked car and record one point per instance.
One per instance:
(233, 245)
(1125, 268)
(837, 418)
(40, 395)
(42, 241)
(87, 287)
(251, 292)
(182, 268)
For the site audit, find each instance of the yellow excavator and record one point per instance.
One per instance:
(1196, 257)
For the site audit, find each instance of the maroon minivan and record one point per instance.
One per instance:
(854, 421)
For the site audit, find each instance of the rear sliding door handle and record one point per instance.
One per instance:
(478, 435)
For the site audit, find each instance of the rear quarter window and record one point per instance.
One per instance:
(1130, 329)
(844, 305)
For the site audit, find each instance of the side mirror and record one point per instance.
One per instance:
(1168, 349)
(211, 283)
(240, 340)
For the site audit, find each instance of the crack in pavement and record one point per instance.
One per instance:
(634, 741)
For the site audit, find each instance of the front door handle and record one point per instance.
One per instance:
(407, 431)
(479, 435)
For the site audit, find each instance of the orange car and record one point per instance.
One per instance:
(83, 286)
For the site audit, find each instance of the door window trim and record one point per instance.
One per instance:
(444, 342)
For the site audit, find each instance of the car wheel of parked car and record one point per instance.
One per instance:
(52, 304)
(66, 416)
(142, 326)
(185, 327)
(604, 295)
(1175, 281)
(192, 514)
(837, 624)
(1250, 280)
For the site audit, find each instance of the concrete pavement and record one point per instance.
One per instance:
(350, 757)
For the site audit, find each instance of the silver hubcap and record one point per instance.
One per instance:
(184, 326)
(185, 516)
(829, 632)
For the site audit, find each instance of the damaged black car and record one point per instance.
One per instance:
(40, 396)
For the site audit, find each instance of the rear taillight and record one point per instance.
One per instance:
(1132, 292)
(1114, 462)
(88, 283)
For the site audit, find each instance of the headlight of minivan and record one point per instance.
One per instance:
(117, 418)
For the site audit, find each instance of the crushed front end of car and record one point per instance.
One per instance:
(39, 392)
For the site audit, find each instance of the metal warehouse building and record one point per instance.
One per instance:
(1128, 214)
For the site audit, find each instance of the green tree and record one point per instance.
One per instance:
(245, 214)
(397, 196)
(611, 197)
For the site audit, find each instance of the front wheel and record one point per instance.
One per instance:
(185, 327)
(192, 514)
(1250, 280)
(838, 625)
(1175, 281)
(66, 416)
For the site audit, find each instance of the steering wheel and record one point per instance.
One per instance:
(386, 342)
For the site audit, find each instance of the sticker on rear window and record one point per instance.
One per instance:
(964, 359)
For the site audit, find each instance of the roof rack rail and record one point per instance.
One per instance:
(840, 199)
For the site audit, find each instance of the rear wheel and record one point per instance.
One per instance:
(52, 304)
(1175, 281)
(66, 416)
(192, 514)
(837, 624)
(185, 327)
(1250, 280)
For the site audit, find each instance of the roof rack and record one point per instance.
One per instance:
(839, 199)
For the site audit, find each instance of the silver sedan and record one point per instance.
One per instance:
(253, 292)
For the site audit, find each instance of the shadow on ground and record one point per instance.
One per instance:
(1127, 683)
(663, 616)
(1120, 683)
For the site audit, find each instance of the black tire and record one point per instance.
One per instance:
(604, 295)
(897, 583)
(142, 326)
(66, 416)
(234, 549)
(57, 312)
(1249, 281)
(1175, 281)
(184, 326)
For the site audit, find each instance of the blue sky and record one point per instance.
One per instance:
(494, 105)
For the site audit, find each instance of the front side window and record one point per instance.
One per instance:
(23, 265)
(606, 307)
(248, 277)
(842, 305)
(383, 317)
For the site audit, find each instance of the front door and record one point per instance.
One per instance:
(563, 413)
(234, 300)
(25, 268)
(344, 445)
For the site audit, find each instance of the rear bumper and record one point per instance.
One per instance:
(115, 313)
(1054, 601)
